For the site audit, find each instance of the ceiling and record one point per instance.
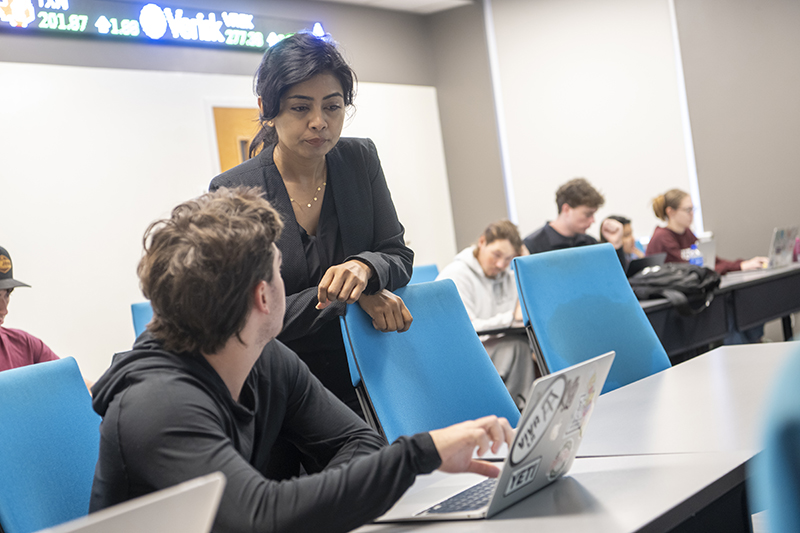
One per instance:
(423, 7)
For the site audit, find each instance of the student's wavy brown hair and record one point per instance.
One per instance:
(578, 192)
(672, 198)
(502, 230)
(201, 265)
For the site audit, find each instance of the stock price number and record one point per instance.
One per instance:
(244, 38)
(59, 21)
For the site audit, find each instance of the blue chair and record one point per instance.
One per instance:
(434, 375)
(423, 273)
(49, 444)
(577, 304)
(142, 315)
(774, 477)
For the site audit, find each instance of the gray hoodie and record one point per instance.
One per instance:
(490, 302)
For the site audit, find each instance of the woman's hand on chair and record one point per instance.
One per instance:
(387, 310)
(343, 283)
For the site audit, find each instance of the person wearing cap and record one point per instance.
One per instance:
(17, 348)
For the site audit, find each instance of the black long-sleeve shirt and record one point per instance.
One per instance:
(169, 417)
(546, 239)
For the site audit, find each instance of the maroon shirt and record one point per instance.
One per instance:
(666, 240)
(18, 348)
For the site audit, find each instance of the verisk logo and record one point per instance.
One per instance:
(155, 21)
(529, 435)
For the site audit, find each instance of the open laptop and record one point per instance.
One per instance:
(709, 250)
(637, 265)
(189, 507)
(547, 438)
(781, 247)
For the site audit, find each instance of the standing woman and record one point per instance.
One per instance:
(675, 206)
(342, 242)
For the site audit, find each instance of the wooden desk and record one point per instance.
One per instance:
(712, 403)
(616, 495)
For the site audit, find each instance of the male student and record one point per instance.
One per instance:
(207, 388)
(577, 202)
(17, 348)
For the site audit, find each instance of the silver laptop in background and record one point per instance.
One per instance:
(781, 247)
(547, 438)
(189, 507)
(709, 250)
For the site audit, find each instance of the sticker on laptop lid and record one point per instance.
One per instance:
(523, 476)
(584, 409)
(535, 425)
(560, 463)
(569, 393)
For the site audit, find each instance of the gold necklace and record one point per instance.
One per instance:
(316, 196)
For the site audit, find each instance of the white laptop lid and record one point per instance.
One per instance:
(549, 432)
(781, 247)
(189, 507)
(709, 250)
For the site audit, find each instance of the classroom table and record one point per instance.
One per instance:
(757, 296)
(613, 495)
(713, 402)
(752, 298)
(665, 453)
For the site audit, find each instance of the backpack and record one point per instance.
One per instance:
(679, 283)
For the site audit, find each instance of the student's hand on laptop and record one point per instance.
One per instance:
(343, 283)
(612, 231)
(755, 263)
(387, 310)
(457, 443)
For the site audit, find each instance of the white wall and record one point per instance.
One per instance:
(91, 156)
(589, 89)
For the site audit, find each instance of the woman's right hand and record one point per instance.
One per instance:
(387, 310)
(343, 283)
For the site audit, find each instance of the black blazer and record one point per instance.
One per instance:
(368, 224)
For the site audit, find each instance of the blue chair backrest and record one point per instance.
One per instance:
(578, 304)
(435, 374)
(423, 273)
(774, 477)
(142, 315)
(49, 442)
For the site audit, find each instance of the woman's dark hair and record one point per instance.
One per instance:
(294, 60)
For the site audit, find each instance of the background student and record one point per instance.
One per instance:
(675, 207)
(577, 202)
(628, 240)
(17, 347)
(487, 287)
(207, 388)
(342, 242)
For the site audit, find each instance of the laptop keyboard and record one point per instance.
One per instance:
(475, 497)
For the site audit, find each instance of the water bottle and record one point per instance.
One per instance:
(695, 256)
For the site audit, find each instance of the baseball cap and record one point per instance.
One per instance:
(7, 280)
